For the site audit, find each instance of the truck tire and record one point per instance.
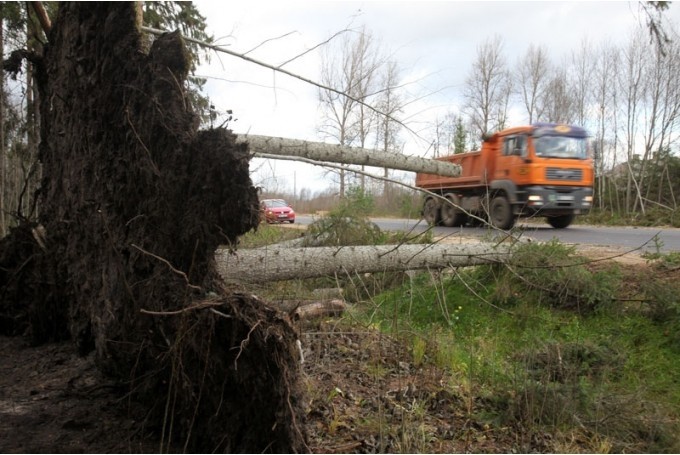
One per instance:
(450, 213)
(561, 221)
(500, 213)
(431, 212)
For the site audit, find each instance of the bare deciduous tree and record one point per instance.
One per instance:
(486, 87)
(581, 74)
(350, 70)
(604, 98)
(531, 80)
(558, 104)
(661, 109)
(444, 134)
(631, 83)
(390, 102)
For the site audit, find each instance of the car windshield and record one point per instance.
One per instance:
(275, 203)
(561, 147)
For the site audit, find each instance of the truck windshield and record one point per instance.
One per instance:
(561, 147)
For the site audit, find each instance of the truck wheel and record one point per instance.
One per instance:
(450, 213)
(500, 213)
(431, 212)
(562, 221)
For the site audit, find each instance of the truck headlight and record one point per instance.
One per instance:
(535, 199)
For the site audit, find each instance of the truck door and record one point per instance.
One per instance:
(511, 163)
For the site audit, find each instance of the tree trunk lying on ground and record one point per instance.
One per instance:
(297, 263)
(319, 151)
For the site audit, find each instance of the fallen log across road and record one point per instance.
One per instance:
(260, 265)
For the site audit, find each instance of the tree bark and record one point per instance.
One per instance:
(255, 266)
(320, 151)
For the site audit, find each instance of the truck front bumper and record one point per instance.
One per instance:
(554, 200)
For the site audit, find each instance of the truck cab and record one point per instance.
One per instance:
(545, 171)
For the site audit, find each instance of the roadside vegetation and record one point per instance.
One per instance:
(653, 217)
(552, 352)
(551, 344)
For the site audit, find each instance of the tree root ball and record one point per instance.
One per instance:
(134, 201)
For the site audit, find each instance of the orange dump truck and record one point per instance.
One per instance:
(539, 170)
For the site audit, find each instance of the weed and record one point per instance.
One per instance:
(418, 350)
(663, 301)
(667, 261)
(658, 245)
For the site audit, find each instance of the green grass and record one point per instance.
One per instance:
(550, 349)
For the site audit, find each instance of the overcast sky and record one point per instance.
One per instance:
(434, 43)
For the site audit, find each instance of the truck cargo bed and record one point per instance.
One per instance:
(474, 172)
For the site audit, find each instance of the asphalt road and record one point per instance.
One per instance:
(622, 237)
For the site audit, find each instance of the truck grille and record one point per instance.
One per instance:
(558, 173)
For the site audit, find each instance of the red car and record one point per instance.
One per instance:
(277, 211)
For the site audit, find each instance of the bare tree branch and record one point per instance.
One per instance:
(278, 69)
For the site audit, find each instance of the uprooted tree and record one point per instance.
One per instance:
(134, 202)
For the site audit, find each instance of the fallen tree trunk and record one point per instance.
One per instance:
(319, 151)
(297, 263)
